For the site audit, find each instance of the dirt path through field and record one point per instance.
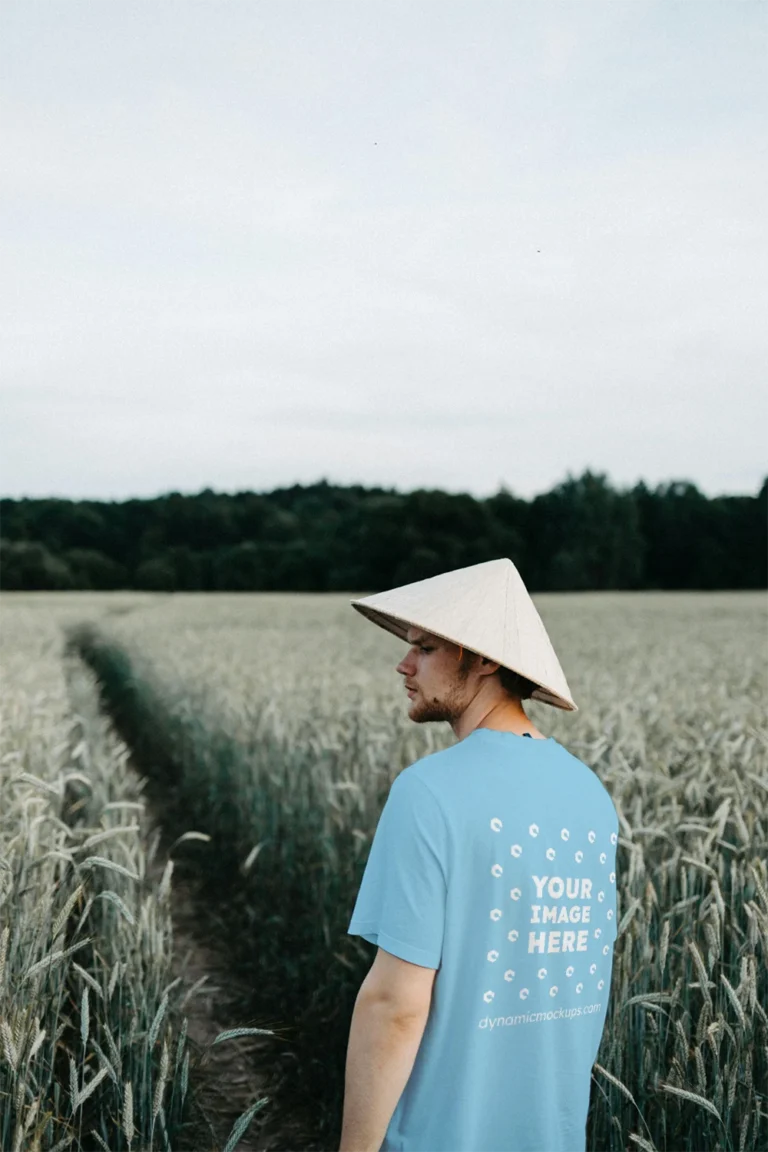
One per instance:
(225, 1079)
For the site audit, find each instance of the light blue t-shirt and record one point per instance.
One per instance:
(494, 861)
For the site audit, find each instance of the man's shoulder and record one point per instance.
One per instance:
(595, 793)
(434, 768)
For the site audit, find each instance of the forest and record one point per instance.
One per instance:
(582, 535)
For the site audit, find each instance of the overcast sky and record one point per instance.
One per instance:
(438, 244)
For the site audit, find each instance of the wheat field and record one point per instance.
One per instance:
(276, 724)
(93, 1040)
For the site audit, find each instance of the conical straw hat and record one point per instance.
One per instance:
(487, 609)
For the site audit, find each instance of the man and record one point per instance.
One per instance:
(490, 892)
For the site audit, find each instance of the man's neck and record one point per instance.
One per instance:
(505, 715)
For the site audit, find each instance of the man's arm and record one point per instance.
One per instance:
(388, 1023)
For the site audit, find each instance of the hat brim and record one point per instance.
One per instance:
(399, 626)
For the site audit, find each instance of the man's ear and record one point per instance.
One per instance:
(487, 667)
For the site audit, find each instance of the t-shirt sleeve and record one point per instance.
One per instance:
(401, 902)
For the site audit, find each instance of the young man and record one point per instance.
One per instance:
(490, 892)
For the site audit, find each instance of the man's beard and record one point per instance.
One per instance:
(448, 709)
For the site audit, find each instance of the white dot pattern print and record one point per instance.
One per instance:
(550, 906)
(488, 996)
(552, 892)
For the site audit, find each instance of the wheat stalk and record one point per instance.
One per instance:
(682, 1094)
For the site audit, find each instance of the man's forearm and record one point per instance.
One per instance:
(380, 1055)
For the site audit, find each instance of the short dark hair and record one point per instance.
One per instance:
(512, 682)
(516, 685)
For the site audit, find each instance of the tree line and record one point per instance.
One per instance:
(581, 535)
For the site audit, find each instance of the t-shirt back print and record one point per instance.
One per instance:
(494, 863)
(553, 913)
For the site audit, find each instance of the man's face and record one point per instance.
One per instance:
(440, 680)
